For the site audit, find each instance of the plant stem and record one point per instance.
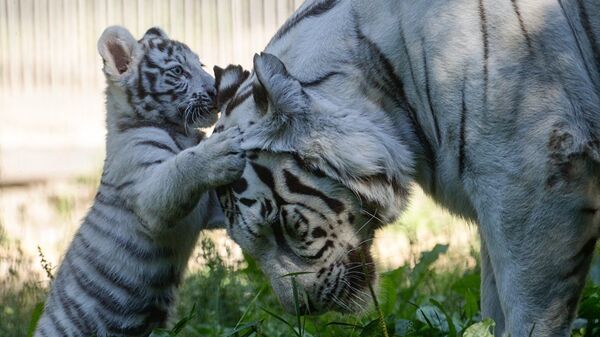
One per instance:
(377, 307)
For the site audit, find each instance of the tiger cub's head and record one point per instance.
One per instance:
(308, 203)
(156, 79)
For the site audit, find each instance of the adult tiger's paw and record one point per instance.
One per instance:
(227, 159)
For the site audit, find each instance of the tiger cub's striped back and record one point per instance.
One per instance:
(120, 273)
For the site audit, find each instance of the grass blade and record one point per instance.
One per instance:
(297, 304)
(252, 326)
(250, 306)
(374, 296)
(296, 274)
(348, 325)
(281, 319)
(35, 317)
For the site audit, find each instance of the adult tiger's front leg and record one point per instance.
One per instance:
(540, 248)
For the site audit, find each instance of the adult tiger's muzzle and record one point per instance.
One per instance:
(308, 234)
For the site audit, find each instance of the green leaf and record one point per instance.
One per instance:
(388, 289)
(423, 317)
(481, 329)
(419, 273)
(404, 327)
(35, 317)
(426, 260)
(451, 327)
(373, 329)
(468, 288)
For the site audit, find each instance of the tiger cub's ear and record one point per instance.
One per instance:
(228, 81)
(118, 49)
(155, 32)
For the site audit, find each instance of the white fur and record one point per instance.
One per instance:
(156, 193)
(532, 124)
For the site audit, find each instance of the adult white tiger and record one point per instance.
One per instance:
(492, 107)
(120, 274)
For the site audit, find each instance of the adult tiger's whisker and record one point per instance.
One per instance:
(365, 224)
(341, 303)
(372, 215)
(354, 289)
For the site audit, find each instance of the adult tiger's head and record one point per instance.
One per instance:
(156, 79)
(315, 187)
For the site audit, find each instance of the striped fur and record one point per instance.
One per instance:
(305, 224)
(120, 273)
(492, 107)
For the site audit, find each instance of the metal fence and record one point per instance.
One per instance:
(52, 43)
(51, 103)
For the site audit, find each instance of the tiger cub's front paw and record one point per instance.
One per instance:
(228, 159)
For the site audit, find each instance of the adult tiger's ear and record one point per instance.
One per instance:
(282, 105)
(345, 144)
(118, 49)
(227, 82)
(277, 92)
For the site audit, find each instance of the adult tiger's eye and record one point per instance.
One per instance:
(177, 70)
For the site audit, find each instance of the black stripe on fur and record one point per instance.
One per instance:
(577, 42)
(319, 80)
(462, 143)
(428, 93)
(486, 50)
(587, 26)
(524, 31)
(315, 10)
(294, 185)
(414, 120)
(237, 100)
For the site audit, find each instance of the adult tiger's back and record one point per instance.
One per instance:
(493, 107)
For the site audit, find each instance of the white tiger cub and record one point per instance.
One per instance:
(121, 271)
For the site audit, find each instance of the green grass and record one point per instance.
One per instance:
(413, 301)
(20, 292)
(435, 294)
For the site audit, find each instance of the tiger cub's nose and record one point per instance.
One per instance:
(209, 93)
(212, 93)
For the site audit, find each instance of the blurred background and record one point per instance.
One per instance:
(52, 147)
(50, 80)
(52, 102)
